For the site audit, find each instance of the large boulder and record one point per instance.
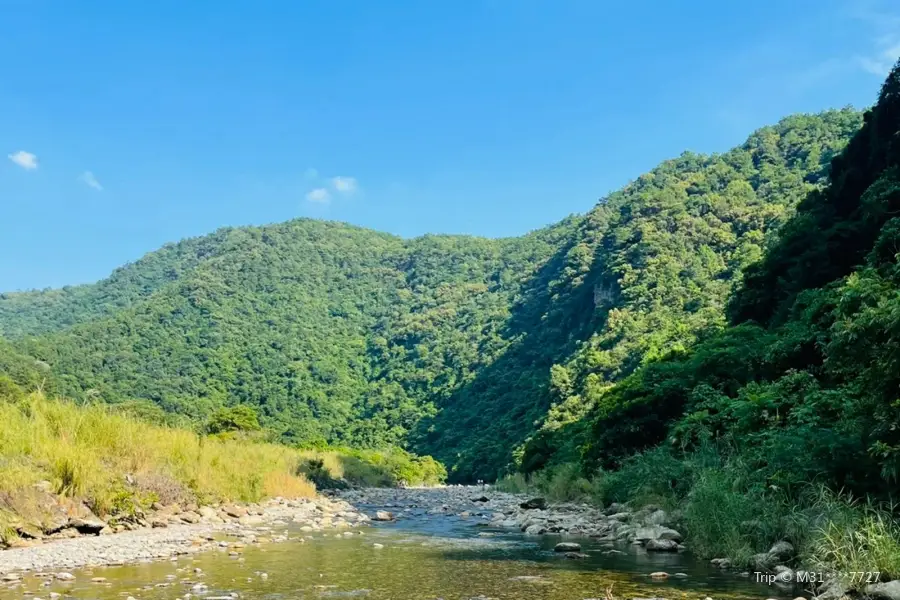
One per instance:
(383, 515)
(656, 532)
(888, 590)
(660, 545)
(88, 524)
(534, 504)
(234, 511)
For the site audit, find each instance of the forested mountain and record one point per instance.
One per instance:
(455, 346)
(802, 386)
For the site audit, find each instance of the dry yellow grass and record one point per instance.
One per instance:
(88, 450)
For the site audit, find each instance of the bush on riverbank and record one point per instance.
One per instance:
(343, 467)
(725, 510)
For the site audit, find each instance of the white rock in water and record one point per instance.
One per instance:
(378, 546)
(567, 547)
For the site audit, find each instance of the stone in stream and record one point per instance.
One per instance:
(662, 546)
(567, 547)
(480, 499)
(576, 555)
(659, 575)
(383, 515)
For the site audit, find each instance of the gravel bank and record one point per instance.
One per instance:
(245, 525)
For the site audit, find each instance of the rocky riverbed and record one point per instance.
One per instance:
(83, 540)
(173, 531)
(615, 527)
(648, 527)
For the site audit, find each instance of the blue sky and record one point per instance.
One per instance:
(125, 125)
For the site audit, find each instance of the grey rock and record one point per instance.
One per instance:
(383, 515)
(660, 545)
(763, 561)
(782, 550)
(657, 517)
(87, 524)
(534, 503)
(888, 590)
(656, 532)
(832, 590)
(567, 547)
(784, 574)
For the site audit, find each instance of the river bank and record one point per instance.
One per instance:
(171, 531)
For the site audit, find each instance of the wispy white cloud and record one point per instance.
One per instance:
(88, 179)
(26, 160)
(885, 46)
(882, 62)
(319, 195)
(345, 185)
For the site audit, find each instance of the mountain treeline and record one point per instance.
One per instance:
(490, 355)
(802, 385)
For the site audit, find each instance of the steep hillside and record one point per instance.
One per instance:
(445, 344)
(802, 386)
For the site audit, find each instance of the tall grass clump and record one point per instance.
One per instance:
(97, 453)
(856, 537)
(558, 483)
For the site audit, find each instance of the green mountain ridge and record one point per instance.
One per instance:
(481, 352)
(802, 385)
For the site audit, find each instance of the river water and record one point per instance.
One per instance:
(422, 557)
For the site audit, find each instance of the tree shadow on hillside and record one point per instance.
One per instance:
(480, 425)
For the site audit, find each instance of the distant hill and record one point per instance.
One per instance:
(456, 346)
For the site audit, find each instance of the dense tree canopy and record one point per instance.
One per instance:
(471, 349)
(803, 384)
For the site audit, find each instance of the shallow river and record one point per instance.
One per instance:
(422, 558)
